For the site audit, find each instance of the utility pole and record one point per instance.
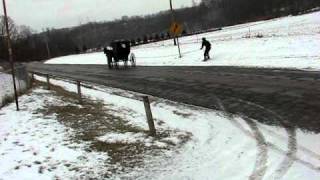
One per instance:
(172, 21)
(48, 48)
(46, 41)
(10, 53)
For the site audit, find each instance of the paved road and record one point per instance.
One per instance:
(272, 96)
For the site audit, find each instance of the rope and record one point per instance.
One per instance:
(153, 57)
(190, 52)
(171, 55)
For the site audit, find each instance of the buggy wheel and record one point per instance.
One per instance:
(116, 65)
(125, 63)
(133, 60)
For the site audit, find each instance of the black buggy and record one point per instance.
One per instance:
(119, 51)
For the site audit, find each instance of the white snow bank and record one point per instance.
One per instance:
(289, 42)
(6, 86)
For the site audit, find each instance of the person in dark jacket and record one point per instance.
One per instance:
(207, 45)
(109, 53)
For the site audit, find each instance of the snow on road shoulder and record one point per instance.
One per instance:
(220, 147)
(34, 146)
(288, 42)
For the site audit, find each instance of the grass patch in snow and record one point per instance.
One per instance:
(94, 122)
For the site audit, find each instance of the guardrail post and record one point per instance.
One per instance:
(32, 80)
(48, 81)
(149, 116)
(79, 91)
(32, 77)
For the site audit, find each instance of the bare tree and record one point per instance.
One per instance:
(24, 32)
(12, 28)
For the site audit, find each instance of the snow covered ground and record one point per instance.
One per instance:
(34, 147)
(220, 146)
(288, 42)
(6, 86)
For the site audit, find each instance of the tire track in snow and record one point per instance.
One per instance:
(276, 148)
(291, 153)
(262, 156)
(284, 123)
(296, 159)
(260, 166)
(300, 147)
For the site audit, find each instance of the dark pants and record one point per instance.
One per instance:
(109, 57)
(206, 53)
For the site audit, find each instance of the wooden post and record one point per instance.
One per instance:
(48, 82)
(32, 80)
(149, 116)
(32, 77)
(79, 91)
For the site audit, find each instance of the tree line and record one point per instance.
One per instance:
(30, 46)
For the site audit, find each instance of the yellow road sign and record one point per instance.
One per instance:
(176, 29)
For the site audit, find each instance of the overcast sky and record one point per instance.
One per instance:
(39, 14)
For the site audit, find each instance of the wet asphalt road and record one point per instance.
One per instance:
(289, 98)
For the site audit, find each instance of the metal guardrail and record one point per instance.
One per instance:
(79, 83)
(6, 71)
(40, 73)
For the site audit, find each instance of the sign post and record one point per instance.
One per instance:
(172, 20)
(176, 30)
(152, 129)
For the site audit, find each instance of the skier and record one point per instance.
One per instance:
(207, 45)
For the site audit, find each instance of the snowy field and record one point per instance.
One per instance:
(288, 42)
(6, 86)
(220, 146)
